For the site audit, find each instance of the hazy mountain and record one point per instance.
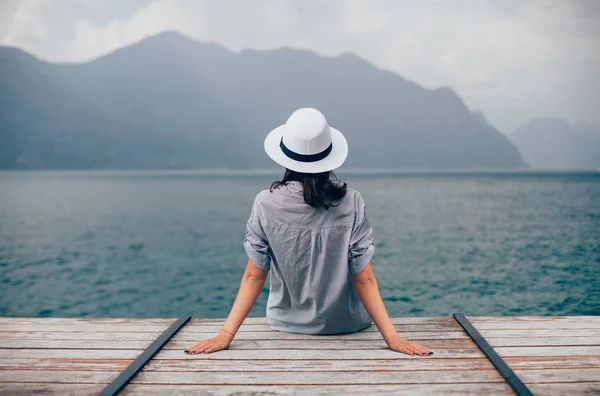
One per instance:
(169, 101)
(555, 143)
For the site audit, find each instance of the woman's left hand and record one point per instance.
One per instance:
(218, 343)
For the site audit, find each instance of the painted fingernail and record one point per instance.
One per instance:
(186, 351)
(431, 353)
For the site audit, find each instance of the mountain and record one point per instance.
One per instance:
(44, 124)
(554, 143)
(169, 101)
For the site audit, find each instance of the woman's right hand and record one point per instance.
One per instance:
(408, 347)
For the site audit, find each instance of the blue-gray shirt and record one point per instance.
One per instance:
(311, 254)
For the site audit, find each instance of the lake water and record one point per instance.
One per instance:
(165, 244)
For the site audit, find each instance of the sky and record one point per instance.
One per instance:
(511, 59)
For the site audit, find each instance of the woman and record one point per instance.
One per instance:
(313, 235)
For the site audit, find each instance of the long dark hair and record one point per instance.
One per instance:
(319, 189)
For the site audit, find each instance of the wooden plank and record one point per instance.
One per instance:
(56, 376)
(50, 389)
(566, 389)
(379, 343)
(481, 389)
(544, 341)
(539, 333)
(236, 344)
(548, 323)
(545, 351)
(246, 335)
(341, 378)
(368, 364)
(185, 334)
(63, 364)
(559, 375)
(287, 354)
(318, 378)
(312, 378)
(71, 353)
(260, 365)
(283, 354)
(262, 345)
(73, 344)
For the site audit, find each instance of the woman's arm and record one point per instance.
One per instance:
(252, 283)
(366, 287)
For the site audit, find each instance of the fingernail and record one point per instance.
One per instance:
(431, 353)
(186, 351)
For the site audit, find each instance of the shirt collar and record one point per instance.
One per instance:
(294, 186)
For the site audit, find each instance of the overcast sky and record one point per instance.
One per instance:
(512, 59)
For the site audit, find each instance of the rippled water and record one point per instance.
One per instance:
(159, 244)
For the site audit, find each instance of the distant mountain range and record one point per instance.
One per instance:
(171, 102)
(554, 143)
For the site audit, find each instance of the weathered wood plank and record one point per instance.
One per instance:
(368, 377)
(307, 378)
(548, 323)
(262, 378)
(184, 335)
(240, 343)
(524, 363)
(287, 354)
(544, 341)
(539, 333)
(318, 378)
(481, 389)
(284, 354)
(236, 344)
(63, 364)
(565, 389)
(63, 377)
(368, 365)
(559, 375)
(50, 389)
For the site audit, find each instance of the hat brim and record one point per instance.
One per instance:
(335, 159)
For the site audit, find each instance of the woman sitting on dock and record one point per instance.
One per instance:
(312, 233)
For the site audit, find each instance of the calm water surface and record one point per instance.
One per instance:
(160, 244)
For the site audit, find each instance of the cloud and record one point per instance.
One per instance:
(514, 59)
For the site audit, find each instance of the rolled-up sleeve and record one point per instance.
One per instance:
(361, 242)
(256, 243)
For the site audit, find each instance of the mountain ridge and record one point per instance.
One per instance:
(188, 104)
(556, 143)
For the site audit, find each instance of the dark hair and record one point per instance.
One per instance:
(319, 189)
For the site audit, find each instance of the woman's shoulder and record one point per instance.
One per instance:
(354, 195)
(261, 196)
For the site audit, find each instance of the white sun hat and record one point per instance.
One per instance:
(307, 144)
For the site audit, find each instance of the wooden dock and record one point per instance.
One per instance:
(551, 355)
